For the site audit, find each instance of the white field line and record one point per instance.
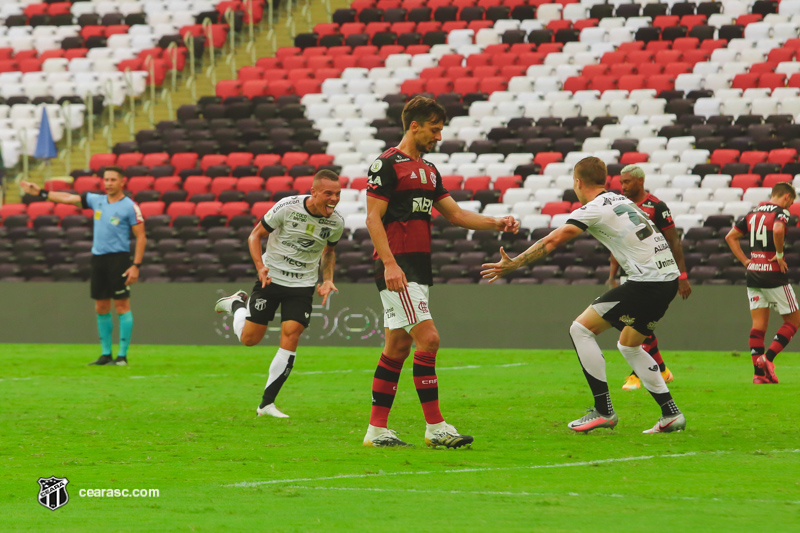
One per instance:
(459, 470)
(488, 469)
(542, 494)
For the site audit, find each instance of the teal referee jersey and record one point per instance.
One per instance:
(112, 222)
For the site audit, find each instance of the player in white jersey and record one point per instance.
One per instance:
(635, 307)
(302, 232)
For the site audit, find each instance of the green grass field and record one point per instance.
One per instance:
(181, 419)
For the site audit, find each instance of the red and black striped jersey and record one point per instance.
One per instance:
(763, 272)
(410, 187)
(657, 211)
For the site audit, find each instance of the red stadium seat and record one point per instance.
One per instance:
(176, 209)
(168, 183)
(140, 183)
(260, 209)
(685, 43)
(359, 183)
(40, 208)
(451, 60)
(102, 160)
(291, 159)
(556, 208)
(673, 69)
(745, 181)
(228, 88)
(590, 71)
(452, 183)
(631, 158)
(263, 160)
(149, 209)
(782, 156)
(223, 183)
(439, 86)
(493, 84)
(197, 185)
(413, 86)
(545, 158)
(772, 80)
(211, 160)
(632, 83)
(232, 209)
(320, 159)
(771, 179)
(279, 88)
(155, 159)
(65, 210)
(250, 183)
(503, 183)
(745, 81)
(279, 183)
(630, 46)
(661, 82)
(650, 69)
(576, 83)
(477, 183)
(236, 159)
(466, 85)
(129, 159)
(603, 83)
(205, 209)
(610, 58)
(8, 210)
(57, 185)
(723, 156)
(253, 88)
(622, 69)
(183, 161)
(753, 158)
(88, 184)
(303, 184)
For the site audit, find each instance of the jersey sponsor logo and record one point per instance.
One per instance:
(299, 245)
(423, 306)
(654, 367)
(399, 159)
(414, 175)
(627, 320)
(326, 222)
(376, 166)
(664, 264)
(390, 312)
(422, 177)
(310, 229)
(293, 262)
(300, 217)
(260, 304)
(421, 205)
(660, 248)
(305, 243)
(374, 181)
(293, 275)
(607, 201)
(430, 381)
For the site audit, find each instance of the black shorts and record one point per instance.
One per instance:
(107, 276)
(638, 304)
(295, 303)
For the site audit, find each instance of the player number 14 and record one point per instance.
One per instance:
(758, 232)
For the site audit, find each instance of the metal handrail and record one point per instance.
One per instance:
(191, 82)
(211, 71)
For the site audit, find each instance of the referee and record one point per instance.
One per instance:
(115, 215)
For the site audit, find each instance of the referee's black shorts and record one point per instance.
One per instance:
(638, 304)
(107, 280)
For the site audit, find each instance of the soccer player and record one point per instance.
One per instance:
(402, 189)
(767, 283)
(632, 181)
(302, 232)
(115, 216)
(634, 308)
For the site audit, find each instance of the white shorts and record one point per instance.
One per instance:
(405, 309)
(782, 299)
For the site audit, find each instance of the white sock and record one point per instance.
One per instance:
(589, 353)
(279, 365)
(645, 367)
(239, 318)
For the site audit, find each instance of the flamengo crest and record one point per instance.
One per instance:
(53, 492)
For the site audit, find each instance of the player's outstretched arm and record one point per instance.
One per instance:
(684, 288)
(328, 265)
(254, 245)
(471, 220)
(539, 250)
(732, 238)
(58, 197)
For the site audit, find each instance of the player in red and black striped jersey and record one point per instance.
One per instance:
(767, 283)
(403, 189)
(632, 182)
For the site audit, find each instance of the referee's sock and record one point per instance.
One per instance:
(594, 366)
(782, 338)
(125, 329)
(105, 327)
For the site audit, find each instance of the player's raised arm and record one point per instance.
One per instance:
(471, 220)
(256, 250)
(393, 274)
(58, 197)
(539, 250)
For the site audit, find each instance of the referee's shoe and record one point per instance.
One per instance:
(103, 360)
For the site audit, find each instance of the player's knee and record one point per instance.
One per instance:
(577, 330)
(250, 340)
(429, 342)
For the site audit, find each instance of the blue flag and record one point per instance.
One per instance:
(45, 147)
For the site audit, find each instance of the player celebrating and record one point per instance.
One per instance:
(403, 188)
(767, 282)
(632, 181)
(302, 232)
(635, 307)
(115, 216)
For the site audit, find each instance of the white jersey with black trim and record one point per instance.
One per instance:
(296, 241)
(639, 247)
